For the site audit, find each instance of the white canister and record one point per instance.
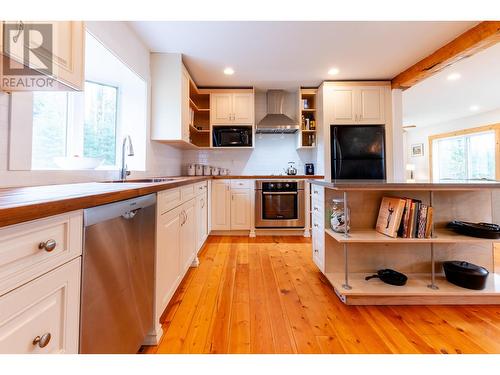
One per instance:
(223, 172)
(199, 170)
(215, 171)
(207, 170)
(191, 170)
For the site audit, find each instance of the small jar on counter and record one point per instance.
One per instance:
(338, 216)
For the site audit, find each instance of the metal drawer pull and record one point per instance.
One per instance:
(48, 245)
(315, 192)
(43, 341)
(315, 208)
(316, 225)
(316, 251)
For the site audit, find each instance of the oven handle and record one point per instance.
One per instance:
(280, 193)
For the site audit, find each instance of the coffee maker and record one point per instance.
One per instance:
(309, 169)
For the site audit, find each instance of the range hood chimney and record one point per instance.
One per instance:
(276, 121)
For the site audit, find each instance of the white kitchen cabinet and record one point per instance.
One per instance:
(232, 204)
(241, 205)
(356, 104)
(42, 316)
(201, 220)
(169, 98)
(221, 108)
(66, 56)
(232, 108)
(168, 262)
(31, 249)
(178, 237)
(188, 235)
(221, 205)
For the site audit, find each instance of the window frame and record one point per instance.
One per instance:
(75, 103)
(468, 132)
(118, 127)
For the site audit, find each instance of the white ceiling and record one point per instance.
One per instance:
(289, 54)
(437, 99)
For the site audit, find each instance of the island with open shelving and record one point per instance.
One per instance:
(347, 258)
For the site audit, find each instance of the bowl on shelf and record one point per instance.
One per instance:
(78, 162)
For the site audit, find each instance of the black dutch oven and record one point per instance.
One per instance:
(465, 274)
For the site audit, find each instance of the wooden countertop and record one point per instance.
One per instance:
(348, 185)
(22, 204)
(29, 203)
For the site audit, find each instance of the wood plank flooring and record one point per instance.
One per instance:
(265, 295)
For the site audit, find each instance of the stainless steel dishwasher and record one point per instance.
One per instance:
(118, 276)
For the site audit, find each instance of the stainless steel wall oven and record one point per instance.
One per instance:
(279, 204)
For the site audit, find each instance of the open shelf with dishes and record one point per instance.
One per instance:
(306, 137)
(350, 257)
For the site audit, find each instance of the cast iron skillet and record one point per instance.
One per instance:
(389, 276)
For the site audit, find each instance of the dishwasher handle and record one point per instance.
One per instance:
(130, 214)
(126, 209)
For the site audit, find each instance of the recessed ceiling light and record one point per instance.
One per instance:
(333, 71)
(474, 107)
(229, 71)
(453, 76)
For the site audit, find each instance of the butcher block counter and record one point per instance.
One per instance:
(22, 204)
(346, 259)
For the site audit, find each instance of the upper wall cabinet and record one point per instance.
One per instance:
(54, 49)
(356, 104)
(180, 112)
(232, 107)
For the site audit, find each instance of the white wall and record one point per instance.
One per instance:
(421, 135)
(271, 154)
(161, 160)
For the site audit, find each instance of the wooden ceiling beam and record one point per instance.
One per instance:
(474, 40)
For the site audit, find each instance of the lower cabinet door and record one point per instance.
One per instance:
(168, 243)
(240, 209)
(188, 235)
(221, 205)
(42, 316)
(201, 220)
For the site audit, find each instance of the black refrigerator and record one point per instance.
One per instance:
(358, 151)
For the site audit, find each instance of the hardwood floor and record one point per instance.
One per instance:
(265, 295)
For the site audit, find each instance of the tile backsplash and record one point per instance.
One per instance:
(271, 155)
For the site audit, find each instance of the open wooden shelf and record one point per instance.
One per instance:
(372, 236)
(198, 130)
(416, 290)
(196, 108)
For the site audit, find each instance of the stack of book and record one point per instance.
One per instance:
(405, 217)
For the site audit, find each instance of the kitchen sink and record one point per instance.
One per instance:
(142, 180)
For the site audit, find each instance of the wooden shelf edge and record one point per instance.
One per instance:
(375, 291)
(372, 236)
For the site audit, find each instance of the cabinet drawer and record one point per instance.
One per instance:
(200, 188)
(47, 305)
(317, 207)
(318, 248)
(187, 192)
(318, 221)
(241, 184)
(22, 256)
(169, 199)
(317, 192)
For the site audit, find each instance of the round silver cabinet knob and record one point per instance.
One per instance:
(42, 341)
(48, 245)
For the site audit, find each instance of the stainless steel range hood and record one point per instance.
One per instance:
(276, 121)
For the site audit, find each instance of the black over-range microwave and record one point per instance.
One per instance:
(232, 136)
